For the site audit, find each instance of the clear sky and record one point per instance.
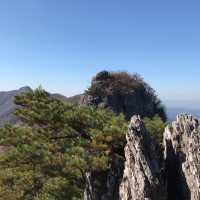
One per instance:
(61, 44)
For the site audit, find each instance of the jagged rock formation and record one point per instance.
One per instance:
(182, 157)
(142, 175)
(149, 175)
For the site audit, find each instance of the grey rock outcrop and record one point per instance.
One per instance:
(182, 157)
(142, 174)
(149, 173)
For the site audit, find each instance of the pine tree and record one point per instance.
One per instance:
(54, 146)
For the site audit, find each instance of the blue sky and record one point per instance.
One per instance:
(62, 44)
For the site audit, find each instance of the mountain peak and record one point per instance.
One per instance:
(25, 88)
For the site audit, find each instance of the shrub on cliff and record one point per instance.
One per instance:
(54, 147)
(155, 127)
(124, 93)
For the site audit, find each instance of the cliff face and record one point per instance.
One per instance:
(149, 174)
(125, 93)
(129, 104)
(143, 167)
(182, 157)
(141, 177)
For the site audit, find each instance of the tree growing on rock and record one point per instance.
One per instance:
(124, 93)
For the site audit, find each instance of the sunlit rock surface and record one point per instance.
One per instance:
(143, 178)
(182, 157)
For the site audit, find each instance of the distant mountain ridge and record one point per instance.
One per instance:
(7, 106)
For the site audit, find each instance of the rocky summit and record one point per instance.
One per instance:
(182, 158)
(143, 177)
(145, 174)
(152, 172)
(125, 93)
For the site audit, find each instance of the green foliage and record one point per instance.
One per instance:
(54, 146)
(155, 126)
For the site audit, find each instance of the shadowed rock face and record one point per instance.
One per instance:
(125, 93)
(104, 185)
(149, 175)
(182, 158)
(142, 175)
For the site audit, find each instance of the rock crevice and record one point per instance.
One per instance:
(182, 158)
(149, 173)
(143, 170)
